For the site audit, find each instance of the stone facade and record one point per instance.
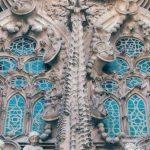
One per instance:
(75, 71)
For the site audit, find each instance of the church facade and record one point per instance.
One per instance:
(75, 73)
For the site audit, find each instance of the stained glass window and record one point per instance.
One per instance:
(43, 85)
(112, 122)
(144, 66)
(18, 82)
(23, 46)
(35, 66)
(133, 81)
(130, 45)
(15, 115)
(38, 110)
(110, 86)
(137, 118)
(120, 66)
(7, 64)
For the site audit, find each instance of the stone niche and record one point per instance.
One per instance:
(12, 146)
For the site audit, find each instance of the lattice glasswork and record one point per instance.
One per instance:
(34, 66)
(23, 46)
(7, 64)
(134, 81)
(143, 66)
(137, 117)
(43, 85)
(18, 82)
(132, 46)
(37, 121)
(110, 85)
(119, 66)
(15, 115)
(112, 122)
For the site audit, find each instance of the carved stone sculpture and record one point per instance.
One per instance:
(129, 146)
(23, 7)
(33, 140)
(2, 145)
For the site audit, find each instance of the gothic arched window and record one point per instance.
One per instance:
(112, 122)
(35, 66)
(120, 66)
(137, 118)
(18, 82)
(7, 64)
(130, 45)
(14, 123)
(110, 86)
(144, 65)
(23, 46)
(37, 121)
(133, 81)
(43, 85)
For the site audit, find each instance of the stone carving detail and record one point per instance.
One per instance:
(2, 145)
(33, 140)
(130, 146)
(23, 7)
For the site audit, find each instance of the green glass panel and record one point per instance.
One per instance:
(137, 117)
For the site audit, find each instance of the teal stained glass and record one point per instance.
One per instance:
(120, 66)
(43, 85)
(112, 122)
(137, 117)
(130, 45)
(134, 81)
(7, 64)
(18, 82)
(34, 66)
(144, 65)
(23, 46)
(110, 85)
(37, 121)
(15, 115)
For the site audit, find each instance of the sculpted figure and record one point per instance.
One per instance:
(129, 146)
(33, 140)
(2, 145)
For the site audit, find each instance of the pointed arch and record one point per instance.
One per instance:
(37, 121)
(14, 123)
(112, 122)
(137, 116)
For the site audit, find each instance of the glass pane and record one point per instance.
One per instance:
(129, 45)
(143, 66)
(35, 66)
(112, 122)
(18, 82)
(137, 118)
(14, 123)
(134, 81)
(37, 121)
(110, 85)
(23, 46)
(7, 64)
(43, 85)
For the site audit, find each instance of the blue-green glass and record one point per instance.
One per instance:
(37, 121)
(35, 66)
(18, 82)
(137, 117)
(110, 85)
(133, 81)
(15, 115)
(23, 46)
(7, 64)
(112, 122)
(120, 66)
(131, 46)
(43, 85)
(143, 65)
